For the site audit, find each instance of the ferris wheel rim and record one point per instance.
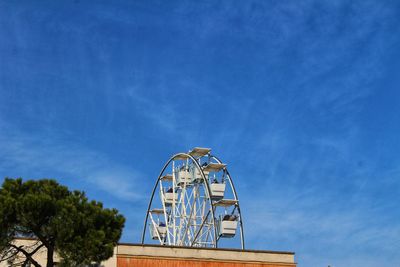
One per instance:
(214, 242)
(207, 186)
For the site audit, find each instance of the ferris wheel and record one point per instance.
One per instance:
(194, 203)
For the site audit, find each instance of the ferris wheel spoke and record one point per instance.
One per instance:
(200, 229)
(195, 209)
(189, 220)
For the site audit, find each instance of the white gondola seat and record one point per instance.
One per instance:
(158, 230)
(198, 178)
(184, 177)
(169, 198)
(228, 228)
(217, 191)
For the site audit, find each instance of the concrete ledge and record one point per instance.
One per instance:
(206, 254)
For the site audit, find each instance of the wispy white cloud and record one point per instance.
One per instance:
(171, 116)
(121, 182)
(317, 198)
(161, 113)
(310, 227)
(44, 155)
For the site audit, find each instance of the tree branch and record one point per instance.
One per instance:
(27, 255)
(6, 255)
(36, 249)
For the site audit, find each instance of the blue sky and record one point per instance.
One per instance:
(300, 98)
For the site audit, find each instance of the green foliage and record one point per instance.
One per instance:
(79, 230)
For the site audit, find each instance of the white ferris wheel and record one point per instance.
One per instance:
(194, 203)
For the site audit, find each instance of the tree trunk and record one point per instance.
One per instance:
(50, 254)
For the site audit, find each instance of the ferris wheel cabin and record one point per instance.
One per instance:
(197, 204)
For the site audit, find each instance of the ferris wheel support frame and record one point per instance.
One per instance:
(208, 192)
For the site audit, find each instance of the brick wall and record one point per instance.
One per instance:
(156, 262)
